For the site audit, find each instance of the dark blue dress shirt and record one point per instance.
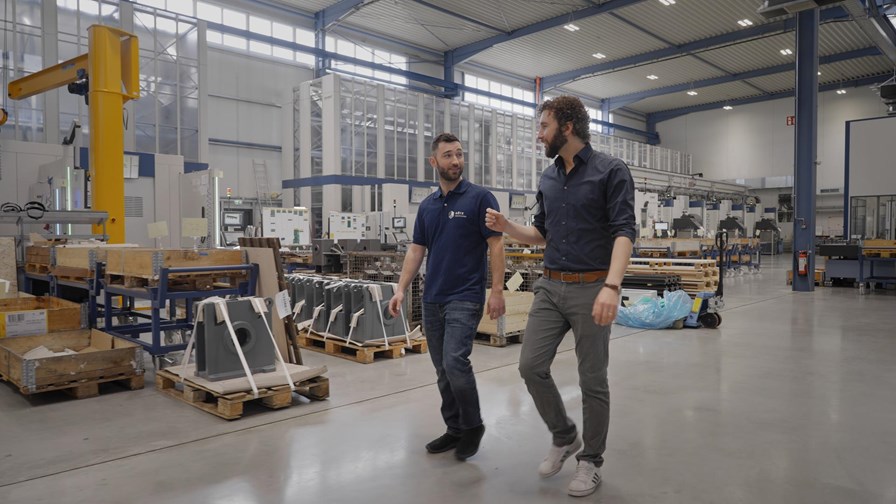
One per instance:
(581, 213)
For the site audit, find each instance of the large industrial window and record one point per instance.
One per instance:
(501, 89)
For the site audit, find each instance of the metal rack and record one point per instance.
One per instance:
(160, 296)
(22, 220)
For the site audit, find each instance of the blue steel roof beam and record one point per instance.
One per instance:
(457, 15)
(339, 11)
(835, 13)
(418, 77)
(668, 43)
(622, 101)
(468, 51)
(883, 23)
(657, 117)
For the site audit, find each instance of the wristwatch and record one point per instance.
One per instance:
(613, 287)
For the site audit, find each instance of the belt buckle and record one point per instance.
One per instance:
(573, 275)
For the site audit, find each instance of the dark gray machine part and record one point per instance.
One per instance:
(216, 355)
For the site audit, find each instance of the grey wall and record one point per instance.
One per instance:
(754, 140)
(250, 101)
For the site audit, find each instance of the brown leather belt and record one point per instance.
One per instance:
(575, 276)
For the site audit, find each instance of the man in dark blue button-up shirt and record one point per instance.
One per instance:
(586, 220)
(451, 226)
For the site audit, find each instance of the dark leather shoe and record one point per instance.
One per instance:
(469, 443)
(442, 443)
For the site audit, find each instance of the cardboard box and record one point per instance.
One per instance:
(38, 315)
(99, 357)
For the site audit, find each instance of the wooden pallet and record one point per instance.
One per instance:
(197, 282)
(499, 340)
(84, 388)
(879, 253)
(357, 353)
(230, 406)
(40, 269)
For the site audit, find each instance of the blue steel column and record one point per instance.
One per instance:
(806, 144)
(320, 42)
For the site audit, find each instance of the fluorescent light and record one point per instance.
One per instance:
(727, 107)
(786, 52)
(745, 22)
(571, 27)
(819, 72)
(841, 91)
(599, 55)
(652, 77)
(667, 2)
(692, 93)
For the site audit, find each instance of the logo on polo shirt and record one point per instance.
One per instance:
(460, 215)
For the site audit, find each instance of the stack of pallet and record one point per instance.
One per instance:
(697, 275)
(652, 282)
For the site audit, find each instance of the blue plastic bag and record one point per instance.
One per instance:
(656, 313)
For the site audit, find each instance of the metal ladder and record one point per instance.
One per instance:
(260, 167)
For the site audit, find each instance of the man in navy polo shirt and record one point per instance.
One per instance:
(451, 226)
(586, 220)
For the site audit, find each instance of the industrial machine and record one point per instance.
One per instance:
(688, 226)
(770, 242)
(734, 225)
(291, 225)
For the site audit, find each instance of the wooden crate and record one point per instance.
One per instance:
(37, 259)
(101, 358)
(144, 263)
(230, 406)
(509, 327)
(52, 314)
(819, 277)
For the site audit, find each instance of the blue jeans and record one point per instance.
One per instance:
(450, 329)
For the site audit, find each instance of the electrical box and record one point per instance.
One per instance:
(291, 225)
(347, 226)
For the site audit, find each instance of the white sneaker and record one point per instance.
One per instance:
(552, 464)
(586, 480)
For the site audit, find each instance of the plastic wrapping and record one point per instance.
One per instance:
(656, 313)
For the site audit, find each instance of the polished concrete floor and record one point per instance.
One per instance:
(791, 400)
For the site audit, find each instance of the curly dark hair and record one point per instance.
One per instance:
(442, 138)
(569, 109)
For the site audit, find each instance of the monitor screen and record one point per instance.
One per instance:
(232, 218)
(662, 226)
(399, 222)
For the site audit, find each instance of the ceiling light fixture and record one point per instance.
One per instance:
(727, 107)
(786, 52)
(667, 2)
(571, 27)
(745, 22)
(692, 93)
(599, 55)
(841, 91)
(652, 77)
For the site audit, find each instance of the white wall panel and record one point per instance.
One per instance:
(249, 95)
(754, 141)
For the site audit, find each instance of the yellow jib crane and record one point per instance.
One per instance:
(108, 75)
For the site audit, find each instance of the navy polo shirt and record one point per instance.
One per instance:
(452, 228)
(582, 212)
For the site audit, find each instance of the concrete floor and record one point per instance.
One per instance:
(792, 400)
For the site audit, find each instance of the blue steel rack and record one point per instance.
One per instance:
(158, 297)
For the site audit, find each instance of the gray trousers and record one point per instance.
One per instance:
(557, 308)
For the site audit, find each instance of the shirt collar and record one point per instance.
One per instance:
(460, 189)
(580, 158)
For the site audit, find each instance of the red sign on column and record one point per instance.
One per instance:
(791, 120)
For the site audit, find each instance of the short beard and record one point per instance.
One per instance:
(552, 149)
(445, 174)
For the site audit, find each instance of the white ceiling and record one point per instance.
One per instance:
(639, 28)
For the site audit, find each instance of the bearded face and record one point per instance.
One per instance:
(448, 160)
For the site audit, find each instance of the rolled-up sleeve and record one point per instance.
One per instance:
(621, 201)
(538, 219)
